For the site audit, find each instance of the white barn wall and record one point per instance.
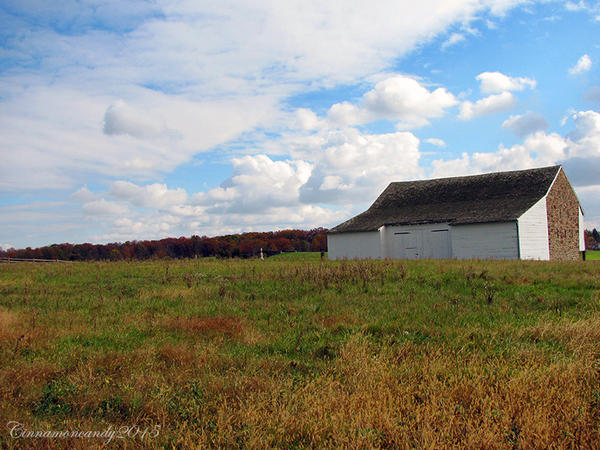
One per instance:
(485, 241)
(533, 232)
(581, 232)
(363, 245)
(383, 238)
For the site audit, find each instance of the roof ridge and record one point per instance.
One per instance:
(507, 172)
(490, 197)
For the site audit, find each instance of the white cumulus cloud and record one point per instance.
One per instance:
(454, 39)
(352, 167)
(578, 152)
(585, 138)
(83, 194)
(497, 82)
(307, 119)
(154, 195)
(538, 150)
(257, 184)
(260, 194)
(436, 141)
(397, 98)
(525, 124)
(584, 64)
(103, 207)
(488, 105)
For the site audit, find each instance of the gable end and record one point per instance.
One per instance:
(563, 208)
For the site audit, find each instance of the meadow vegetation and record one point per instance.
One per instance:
(295, 352)
(592, 255)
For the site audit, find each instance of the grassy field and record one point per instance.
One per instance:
(592, 255)
(299, 256)
(295, 352)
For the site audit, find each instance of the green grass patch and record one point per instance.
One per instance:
(592, 255)
(298, 256)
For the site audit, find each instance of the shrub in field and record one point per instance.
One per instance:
(58, 398)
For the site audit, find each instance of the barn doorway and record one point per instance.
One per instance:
(422, 244)
(407, 245)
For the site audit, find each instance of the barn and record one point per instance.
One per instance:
(525, 214)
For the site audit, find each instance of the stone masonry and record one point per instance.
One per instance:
(563, 220)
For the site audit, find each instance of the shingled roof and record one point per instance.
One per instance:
(492, 197)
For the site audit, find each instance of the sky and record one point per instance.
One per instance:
(124, 120)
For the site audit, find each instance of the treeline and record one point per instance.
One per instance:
(233, 245)
(592, 240)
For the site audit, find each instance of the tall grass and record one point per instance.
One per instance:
(304, 353)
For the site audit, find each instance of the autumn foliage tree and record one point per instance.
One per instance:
(243, 245)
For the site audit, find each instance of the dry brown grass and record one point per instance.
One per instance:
(11, 326)
(579, 336)
(20, 332)
(334, 321)
(229, 326)
(400, 397)
(177, 355)
(369, 399)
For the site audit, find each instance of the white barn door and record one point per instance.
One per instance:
(429, 243)
(407, 245)
(436, 244)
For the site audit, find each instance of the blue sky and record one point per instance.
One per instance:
(140, 120)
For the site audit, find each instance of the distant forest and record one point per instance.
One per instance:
(592, 240)
(243, 245)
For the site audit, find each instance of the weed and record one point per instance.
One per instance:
(57, 399)
(113, 408)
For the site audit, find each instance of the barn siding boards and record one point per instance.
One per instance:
(485, 241)
(427, 241)
(581, 232)
(362, 245)
(533, 232)
(563, 220)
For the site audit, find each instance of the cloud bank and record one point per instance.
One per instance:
(101, 103)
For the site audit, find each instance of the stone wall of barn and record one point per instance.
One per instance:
(563, 220)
